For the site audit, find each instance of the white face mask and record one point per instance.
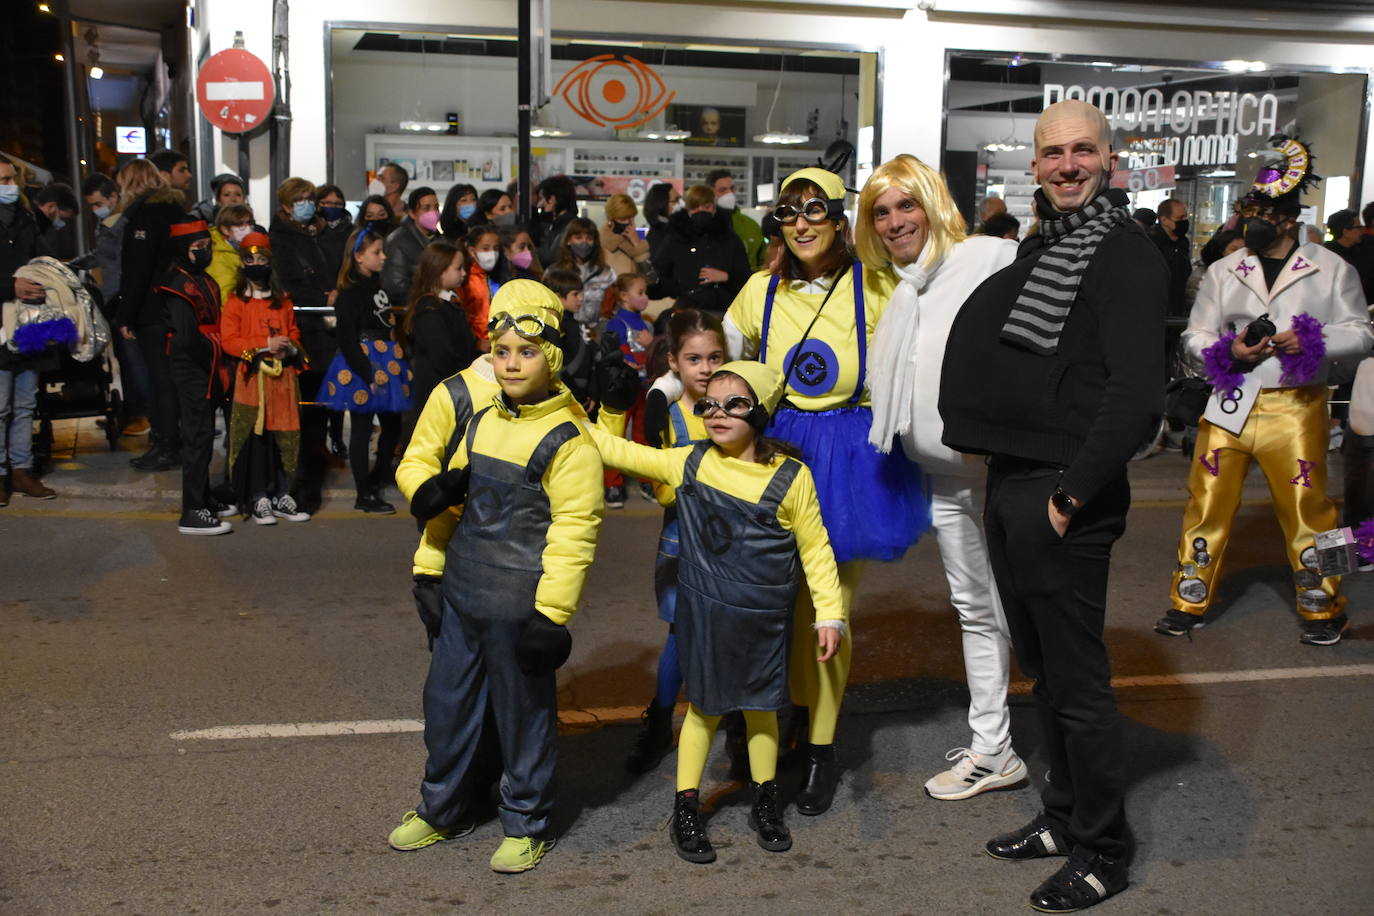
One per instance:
(726, 201)
(680, 205)
(375, 187)
(486, 259)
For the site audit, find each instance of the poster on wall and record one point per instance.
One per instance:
(711, 125)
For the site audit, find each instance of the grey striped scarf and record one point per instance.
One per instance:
(1037, 319)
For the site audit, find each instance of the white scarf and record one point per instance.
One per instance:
(892, 357)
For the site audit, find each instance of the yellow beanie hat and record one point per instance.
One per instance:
(764, 380)
(518, 298)
(827, 181)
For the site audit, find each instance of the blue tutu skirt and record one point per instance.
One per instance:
(387, 391)
(874, 506)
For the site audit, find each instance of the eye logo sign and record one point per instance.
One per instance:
(616, 92)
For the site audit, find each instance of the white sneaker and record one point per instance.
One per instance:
(974, 773)
(285, 507)
(262, 512)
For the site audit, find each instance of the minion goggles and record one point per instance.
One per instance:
(528, 326)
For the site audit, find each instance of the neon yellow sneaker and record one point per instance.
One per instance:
(519, 853)
(415, 833)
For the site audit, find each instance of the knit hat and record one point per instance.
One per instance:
(763, 380)
(529, 299)
(829, 182)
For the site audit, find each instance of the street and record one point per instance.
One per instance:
(120, 641)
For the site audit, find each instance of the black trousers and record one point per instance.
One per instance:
(163, 409)
(1054, 592)
(315, 421)
(359, 440)
(1359, 478)
(197, 412)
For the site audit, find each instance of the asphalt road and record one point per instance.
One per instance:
(1248, 795)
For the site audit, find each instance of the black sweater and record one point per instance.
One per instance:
(441, 343)
(363, 308)
(1088, 407)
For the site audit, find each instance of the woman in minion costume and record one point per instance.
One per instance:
(811, 315)
(369, 375)
(529, 481)
(749, 532)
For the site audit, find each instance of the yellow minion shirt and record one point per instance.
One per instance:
(799, 512)
(827, 372)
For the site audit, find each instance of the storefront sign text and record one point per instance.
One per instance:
(1243, 113)
(1150, 179)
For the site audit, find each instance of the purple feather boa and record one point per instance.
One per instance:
(1219, 367)
(35, 337)
(1364, 540)
(1300, 368)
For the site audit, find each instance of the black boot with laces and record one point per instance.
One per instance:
(688, 830)
(655, 739)
(766, 818)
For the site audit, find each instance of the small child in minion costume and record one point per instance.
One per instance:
(749, 530)
(529, 481)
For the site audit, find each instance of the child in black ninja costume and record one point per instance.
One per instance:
(529, 480)
(749, 526)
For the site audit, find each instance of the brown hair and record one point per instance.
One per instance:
(359, 240)
(685, 323)
(766, 448)
(782, 261)
(562, 281)
(293, 188)
(580, 226)
(620, 207)
(232, 214)
(434, 260)
(137, 177)
(611, 301)
(698, 195)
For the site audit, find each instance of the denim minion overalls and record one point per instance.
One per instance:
(491, 572)
(666, 563)
(737, 584)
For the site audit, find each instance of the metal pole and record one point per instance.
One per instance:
(70, 74)
(245, 158)
(523, 58)
(281, 112)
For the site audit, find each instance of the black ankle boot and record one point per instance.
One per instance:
(655, 739)
(737, 746)
(766, 817)
(793, 743)
(818, 780)
(688, 831)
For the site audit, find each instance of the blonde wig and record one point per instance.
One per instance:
(928, 188)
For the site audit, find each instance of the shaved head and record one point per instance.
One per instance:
(1070, 119)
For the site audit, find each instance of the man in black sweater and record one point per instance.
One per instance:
(1054, 368)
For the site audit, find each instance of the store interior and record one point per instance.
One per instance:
(1206, 157)
(622, 115)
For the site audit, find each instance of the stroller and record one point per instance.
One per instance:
(77, 374)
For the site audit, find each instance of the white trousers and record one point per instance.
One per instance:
(956, 512)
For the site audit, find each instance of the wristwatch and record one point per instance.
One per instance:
(1063, 503)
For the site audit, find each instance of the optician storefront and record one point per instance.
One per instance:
(1190, 89)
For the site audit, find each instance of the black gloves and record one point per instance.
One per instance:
(543, 646)
(449, 488)
(429, 604)
(617, 381)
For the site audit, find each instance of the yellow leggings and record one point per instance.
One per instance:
(694, 744)
(817, 686)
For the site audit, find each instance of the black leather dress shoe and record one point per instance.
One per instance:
(818, 781)
(1033, 841)
(373, 504)
(1079, 884)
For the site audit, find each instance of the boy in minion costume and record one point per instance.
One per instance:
(529, 483)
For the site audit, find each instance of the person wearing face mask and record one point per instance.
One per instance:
(55, 211)
(660, 202)
(459, 213)
(626, 252)
(750, 234)
(150, 209)
(403, 246)
(232, 224)
(581, 251)
(519, 262)
(907, 219)
(191, 303)
(390, 184)
(338, 224)
(495, 208)
(556, 207)
(1270, 389)
(483, 246)
(1170, 235)
(703, 264)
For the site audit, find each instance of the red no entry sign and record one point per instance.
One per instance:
(234, 91)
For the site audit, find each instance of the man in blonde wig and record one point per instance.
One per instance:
(1054, 369)
(908, 219)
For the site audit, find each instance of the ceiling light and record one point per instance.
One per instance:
(59, 58)
(44, 8)
(1244, 66)
(1103, 63)
(1009, 145)
(665, 133)
(783, 137)
(97, 73)
(424, 126)
(546, 130)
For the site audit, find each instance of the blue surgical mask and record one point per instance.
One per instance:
(465, 211)
(59, 223)
(303, 211)
(101, 212)
(9, 193)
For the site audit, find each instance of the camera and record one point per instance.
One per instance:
(1258, 329)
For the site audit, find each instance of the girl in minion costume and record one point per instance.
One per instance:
(749, 530)
(529, 481)
(369, 375)
(810, 316)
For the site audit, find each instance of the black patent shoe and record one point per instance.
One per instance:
(654, 742)
(766, 817)
(688, 831)
(1079, 884)
(1033, 841)
(373, 504)
(818, 781)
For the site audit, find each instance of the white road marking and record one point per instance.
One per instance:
(607, 715)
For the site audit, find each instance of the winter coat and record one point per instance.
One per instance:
(403, 248)
(689, 249)
(300, 266)
(19, 244)
(146, 256)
